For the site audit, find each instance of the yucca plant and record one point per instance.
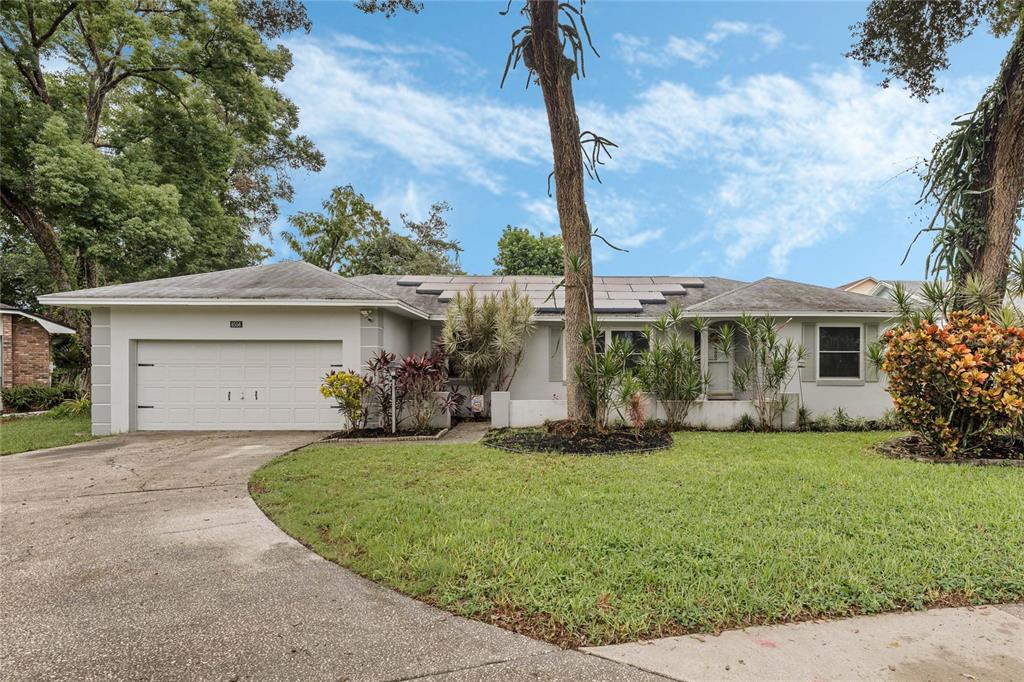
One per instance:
(670, 369)
(600, 377)
(767, 368)
(485, 337)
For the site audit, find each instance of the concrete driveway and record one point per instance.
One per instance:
(142, 556)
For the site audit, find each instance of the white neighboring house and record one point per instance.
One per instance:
(246, 348)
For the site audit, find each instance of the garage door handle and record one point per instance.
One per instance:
(229, 395)
(144, 407)
(257, 395)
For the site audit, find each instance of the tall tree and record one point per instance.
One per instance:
(351, 237)
(522, 253)
(976, 174)
(145, 137)
(327, 239)
(552, 47)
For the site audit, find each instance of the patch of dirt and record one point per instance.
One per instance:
(574, 438)
(1002, 450)
(380, 433)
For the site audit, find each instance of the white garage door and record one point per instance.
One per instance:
(234, 385)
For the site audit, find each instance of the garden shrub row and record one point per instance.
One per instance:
(37, 397)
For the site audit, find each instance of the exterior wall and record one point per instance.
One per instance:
(101, 392)
(533, 378)
(194, 323)
(533, 397)
(396, 334)
(26, 352)
(865, 398)
(865, 286)
(709, 414)
(424, 334)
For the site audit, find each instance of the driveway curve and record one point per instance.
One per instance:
(142, 556)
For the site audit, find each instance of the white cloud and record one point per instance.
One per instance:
(399, 198)
(349, 102)
(687, 49)
(543, 212)
(459, 61)
(789, 160)
(774, 163)
(625, 222)
(638, 50)
(769, 36)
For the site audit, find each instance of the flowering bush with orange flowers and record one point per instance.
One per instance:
(957, 384)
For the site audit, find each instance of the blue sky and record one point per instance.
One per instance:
(749, 146)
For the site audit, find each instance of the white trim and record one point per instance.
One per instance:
(50, 327)
(57, 300)
(859, 352)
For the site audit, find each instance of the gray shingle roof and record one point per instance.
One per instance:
(770, 295)
(287, 280)
(625, 296)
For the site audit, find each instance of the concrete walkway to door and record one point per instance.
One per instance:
(142, 556)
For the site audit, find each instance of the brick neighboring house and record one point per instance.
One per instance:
(25, 344)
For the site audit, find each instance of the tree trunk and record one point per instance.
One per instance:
(554, 70)
(1004, 174)
(46, 239)
(44, 236)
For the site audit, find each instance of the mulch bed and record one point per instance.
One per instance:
(1002, 451)
(363, 434)
(573, 438)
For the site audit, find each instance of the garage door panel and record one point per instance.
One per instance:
(234, 385)
(230, 372)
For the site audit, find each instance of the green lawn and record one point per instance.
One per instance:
(723, 530)
(42, 431)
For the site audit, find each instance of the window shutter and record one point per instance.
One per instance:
(870, 336)
(555, 355)
(807, 373)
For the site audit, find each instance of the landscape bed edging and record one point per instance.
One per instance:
(384, 439)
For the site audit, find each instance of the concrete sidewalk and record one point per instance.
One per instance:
(976, 643)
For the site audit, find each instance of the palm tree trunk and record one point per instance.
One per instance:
(1004, 173)
(555, 72)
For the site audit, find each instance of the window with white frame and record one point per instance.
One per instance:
(839, 351)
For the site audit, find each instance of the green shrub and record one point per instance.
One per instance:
(74, 407)
(34, 397)
(745, 423)
(348, 390)
(670, 368)
(959, 384)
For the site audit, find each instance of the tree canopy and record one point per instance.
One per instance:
(351, 237)
(520, 252)
(145, 139)
(975, 177)
(911, 40)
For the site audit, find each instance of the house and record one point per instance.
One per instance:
(246, 348)
(25, 347)
(884, 288)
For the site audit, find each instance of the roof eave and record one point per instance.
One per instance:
(50, 326)
(90, 302)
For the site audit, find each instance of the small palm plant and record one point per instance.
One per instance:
(767, 368)
(670, 368)
(485, 337)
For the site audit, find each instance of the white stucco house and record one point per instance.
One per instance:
(246, 348)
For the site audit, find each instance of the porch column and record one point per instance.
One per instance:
(704, 352)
